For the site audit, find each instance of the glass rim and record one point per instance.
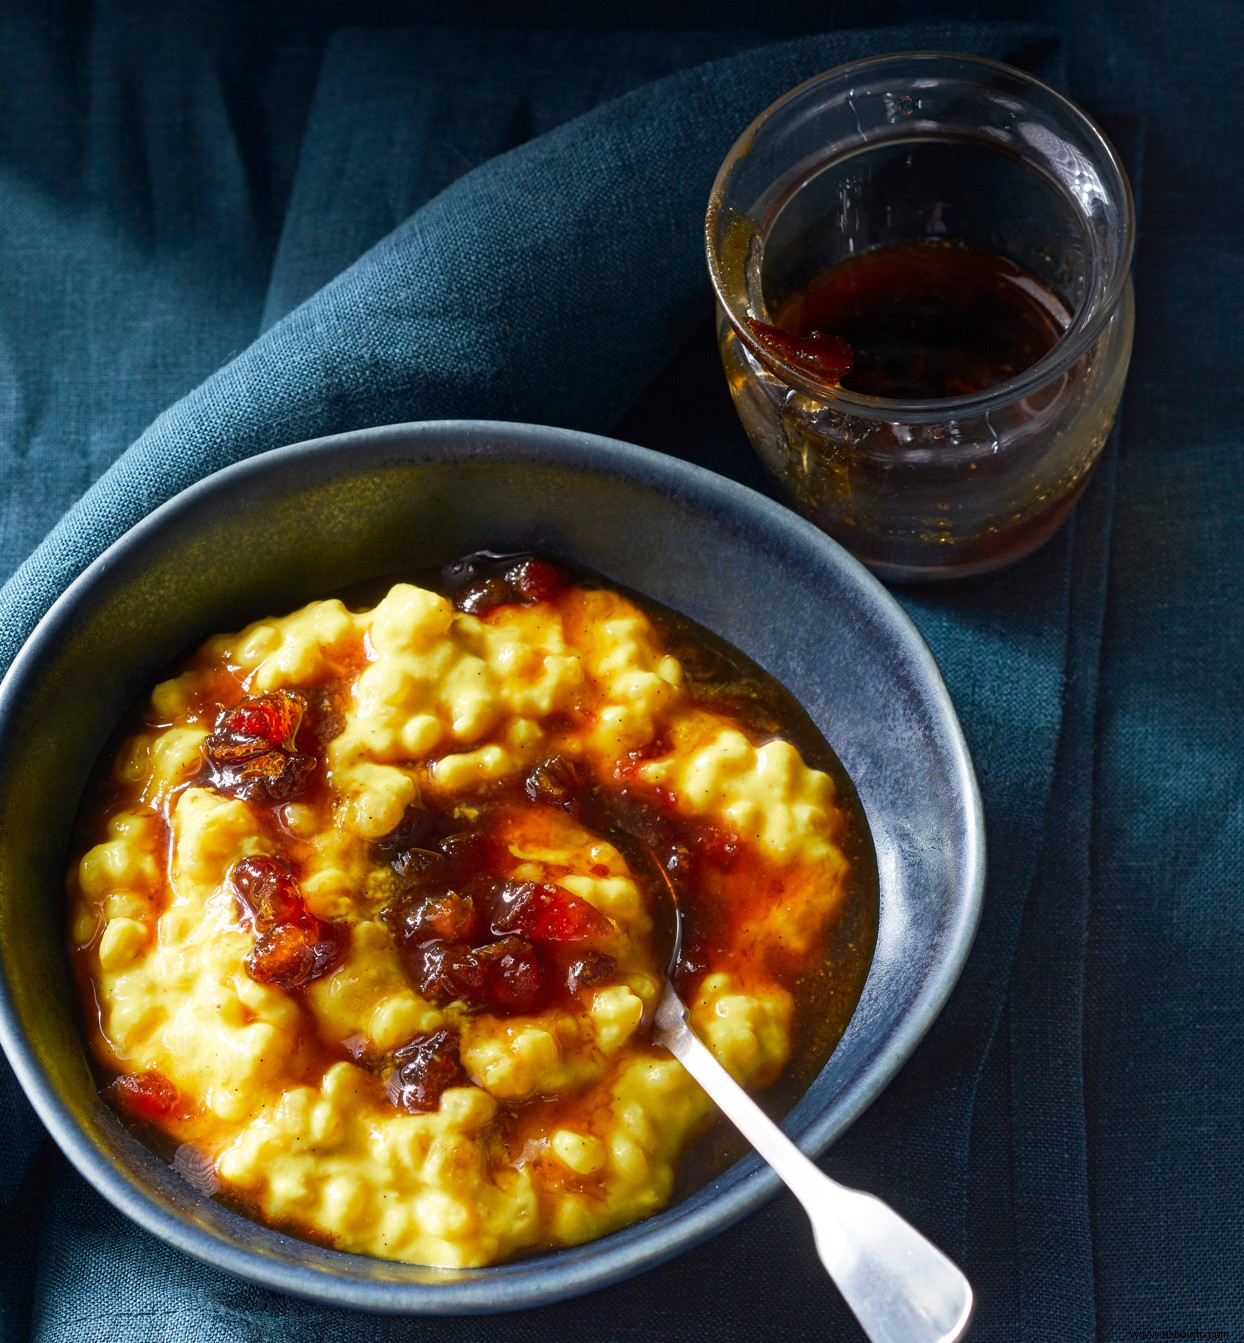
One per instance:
(1084, 329)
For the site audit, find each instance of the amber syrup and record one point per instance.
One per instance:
(928, 319)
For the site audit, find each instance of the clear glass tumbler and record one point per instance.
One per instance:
(927, 145)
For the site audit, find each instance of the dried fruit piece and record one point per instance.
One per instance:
(547, 914)
(449, 970)
(148, 1097)
(275, 776)
(450, 917)
(466, 934)
(424, 1067)
(591, 969)
(265, 893)
(256, 724)
(483, 596)
(535, 579)
(508, 975)
(471, 852)
(517, 976)
(411, 832)
(826, 358)
(294, 947)
(558, 781)
(324, 719)
(291, 955)
(251, 755)
(530, 580)
(416, 866)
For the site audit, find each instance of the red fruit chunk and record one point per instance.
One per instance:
(449, 970)
(265, 893)
(256, 724)
(450, 917)
(275, 776)
(148, 1097)
(517, 979)
(471, 854)
(409, 833)
(508, 975)
(589, 970)
(535, 579)
(530, 580)
(417, 866)
(557, 782)
(484, 596)
(828, 359)
(422, 1069)
(291, 955)
(251, 753)
(293, 947)
(548, 914)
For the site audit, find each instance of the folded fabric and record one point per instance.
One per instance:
(552, 283)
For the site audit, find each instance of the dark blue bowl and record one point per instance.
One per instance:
(271, 533)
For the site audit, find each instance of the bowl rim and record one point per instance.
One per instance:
(607, 1261)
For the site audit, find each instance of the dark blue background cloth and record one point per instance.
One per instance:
(426, 220)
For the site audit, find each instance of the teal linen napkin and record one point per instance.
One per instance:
(553, 283)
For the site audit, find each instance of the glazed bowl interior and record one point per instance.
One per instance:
(272, 533)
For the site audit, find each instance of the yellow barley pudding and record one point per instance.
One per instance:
(366, 922)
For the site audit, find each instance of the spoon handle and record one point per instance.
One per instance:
(902, 1288)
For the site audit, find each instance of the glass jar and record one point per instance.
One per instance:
(886, 151)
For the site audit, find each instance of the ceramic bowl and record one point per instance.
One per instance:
(273, 532)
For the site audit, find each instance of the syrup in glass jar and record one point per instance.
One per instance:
(922, 320)
(924, 311)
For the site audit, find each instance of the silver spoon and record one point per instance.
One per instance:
(902, 1288)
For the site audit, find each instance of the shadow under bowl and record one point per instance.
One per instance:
(274, 532)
